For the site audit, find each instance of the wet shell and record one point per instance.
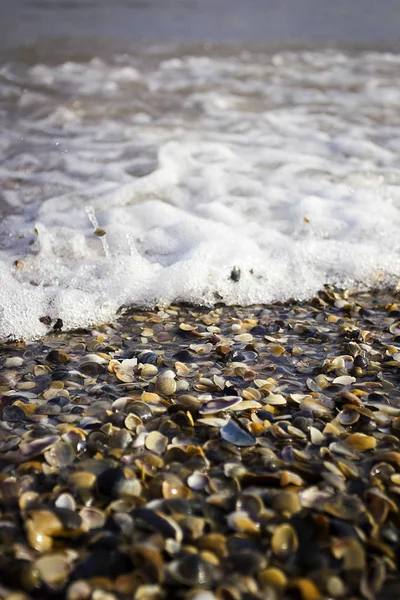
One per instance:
(284, 540)
(287, 503)
(348, 416)
(241, 522)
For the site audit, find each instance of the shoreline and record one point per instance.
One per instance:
(206, 453)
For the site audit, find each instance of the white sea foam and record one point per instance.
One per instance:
(285, 166)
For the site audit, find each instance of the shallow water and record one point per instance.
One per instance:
(218, 21)
(196, 159)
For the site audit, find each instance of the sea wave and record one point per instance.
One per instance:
(242, 177)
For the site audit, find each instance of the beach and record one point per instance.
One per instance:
(205, 453)
(199, 300)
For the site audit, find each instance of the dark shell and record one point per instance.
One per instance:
(12, 414)
(192, 571)
(234, 433)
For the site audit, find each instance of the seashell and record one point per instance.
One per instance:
(395, 328)
(336, 587)
(156, 442)
(191, 571)
(27, 499)
(275, 400)
(123, 376)
(312, 385)
(81, 484)
(166, 384)
(33, 448)
(284, 540)
(149, 560)
(298, 398)
(113, 365)
(246, 405)
(128, 365)
(244, 338)
(389, 409)
(43, 524)
(148, 357)
(273, 577)
(201, 349)
(158, 523)
(235, 433)
(92, 518)
(305, 589)
(147, 333)
(173, 487)
(316, 436)
(344, 380)
(12, 414)
(147, 592)
(212, 421)
(13, 362)
(91, 367)
(79, 590)
(132, 421)
(241, 522)
(187, 327)
(352, 553)
(53, 569)
(60, 454)
(140, 409)
(235, 274)
(315, 406)
(148, 370)
(110, 482)
(66, 500)
(348, 416)
(197, 481)
(361, 442)
(219, 404)
(287, 502)
(150, 397)
(322, 381)
(252, 394)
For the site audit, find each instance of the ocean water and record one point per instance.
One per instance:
(199, 159)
